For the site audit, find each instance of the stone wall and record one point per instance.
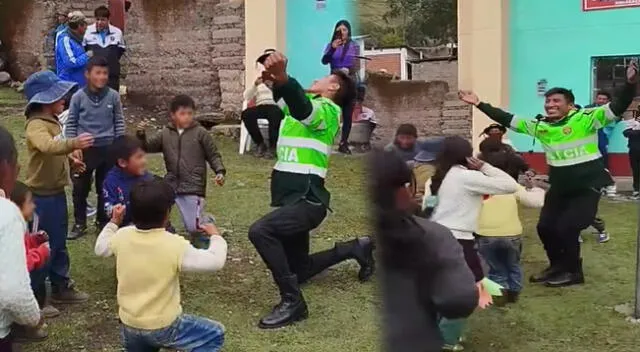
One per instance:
(193, 47)
(437, 70)
(430, 106)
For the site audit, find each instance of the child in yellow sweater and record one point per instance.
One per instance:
(499, 230)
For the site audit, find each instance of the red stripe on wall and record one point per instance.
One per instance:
(618, 163)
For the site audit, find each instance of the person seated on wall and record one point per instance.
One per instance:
(364, 115)
(263, 107)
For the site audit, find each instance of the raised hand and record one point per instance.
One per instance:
(468, 97)
(632, 72)
(117, 214)
(275, 68)
(83, 141)
(209, 230)
(336, 43)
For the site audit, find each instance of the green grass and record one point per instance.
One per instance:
(344, 313)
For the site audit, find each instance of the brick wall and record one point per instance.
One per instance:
(430, 106)
(442, 70)
(193, 47)
(389, 62)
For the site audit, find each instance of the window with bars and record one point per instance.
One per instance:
(609, 73)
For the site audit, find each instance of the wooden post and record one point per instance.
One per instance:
(116, 7)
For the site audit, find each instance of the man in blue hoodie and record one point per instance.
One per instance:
(71, 58)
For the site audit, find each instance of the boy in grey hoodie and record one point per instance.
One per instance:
(94, 109)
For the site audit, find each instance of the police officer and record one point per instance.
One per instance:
(305, 142)
(576, 170)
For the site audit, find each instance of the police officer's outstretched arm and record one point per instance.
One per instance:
(498, 115)
(621, 100)
(286, 87)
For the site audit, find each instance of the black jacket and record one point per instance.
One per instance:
(186, 157)
(439, 284)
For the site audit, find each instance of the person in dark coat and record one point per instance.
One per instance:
(424, 276)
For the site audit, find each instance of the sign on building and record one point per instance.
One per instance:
(590, 5)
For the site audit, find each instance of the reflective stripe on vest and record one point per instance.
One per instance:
(572, 152)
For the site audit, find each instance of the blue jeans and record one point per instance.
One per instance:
(187, 333)
(502, 254)
(52, 212)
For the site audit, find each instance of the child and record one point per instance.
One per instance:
(48, 173)
(499, 230)
(187, 147)
(37, 252)
(16, 297)
(94, 109)
(130, 168)
(148, 265)
(455, 194)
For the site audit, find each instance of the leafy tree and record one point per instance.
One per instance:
(425, 22)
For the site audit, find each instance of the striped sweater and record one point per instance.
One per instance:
(17, 302)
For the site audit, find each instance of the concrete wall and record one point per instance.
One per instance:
(581, 35)
(308, 31)
(444, 70)
(430, 106)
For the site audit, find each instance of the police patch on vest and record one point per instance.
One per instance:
(567, 130)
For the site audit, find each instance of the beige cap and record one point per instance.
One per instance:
(76, 17)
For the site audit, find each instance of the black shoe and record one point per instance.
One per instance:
(344, 148)
(512, 296)
(565, 279)
(261, 149)
(270, 154)
(363, 253)
(77, 231)
(292, 307)
(544, 275)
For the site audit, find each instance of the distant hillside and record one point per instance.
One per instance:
(371, 12)
(371, 22)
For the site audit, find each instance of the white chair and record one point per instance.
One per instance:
(245, 139)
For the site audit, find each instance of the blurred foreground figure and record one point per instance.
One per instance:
(424, 276)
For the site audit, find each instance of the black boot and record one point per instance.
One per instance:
(360, 249)
(292, 307)
(568, 278)
(552, 270)
(261, 149)
(512, 296)
(344, 148)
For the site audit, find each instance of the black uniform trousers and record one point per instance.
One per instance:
(563, 216)
(282, 240)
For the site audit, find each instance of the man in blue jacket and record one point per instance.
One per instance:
(71, 58)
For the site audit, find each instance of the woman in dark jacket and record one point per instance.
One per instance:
(342, 54)
(424, 274)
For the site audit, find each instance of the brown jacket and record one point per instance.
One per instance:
(185, 157)
(47, 164)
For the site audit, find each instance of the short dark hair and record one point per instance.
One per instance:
(181, 101)
(346, 94)
(125, 147)
(490, 145)
(97, 61)
(604, 93)
(150, 203)
(407, 129)
(8, 151)
(102, 12)
(566, 93)
(19, 194)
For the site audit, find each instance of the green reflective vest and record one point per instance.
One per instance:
(303, 152)
(572, 140)
(304, 146)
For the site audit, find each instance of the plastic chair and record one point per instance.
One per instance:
(245, 139)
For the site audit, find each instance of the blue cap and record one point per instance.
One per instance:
(428, 149)
(45, 87)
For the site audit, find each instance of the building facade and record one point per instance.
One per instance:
(510, 52)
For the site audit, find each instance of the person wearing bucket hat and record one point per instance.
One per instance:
(424, 168)
(498, 132)
(71, 57)
(48, 172)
